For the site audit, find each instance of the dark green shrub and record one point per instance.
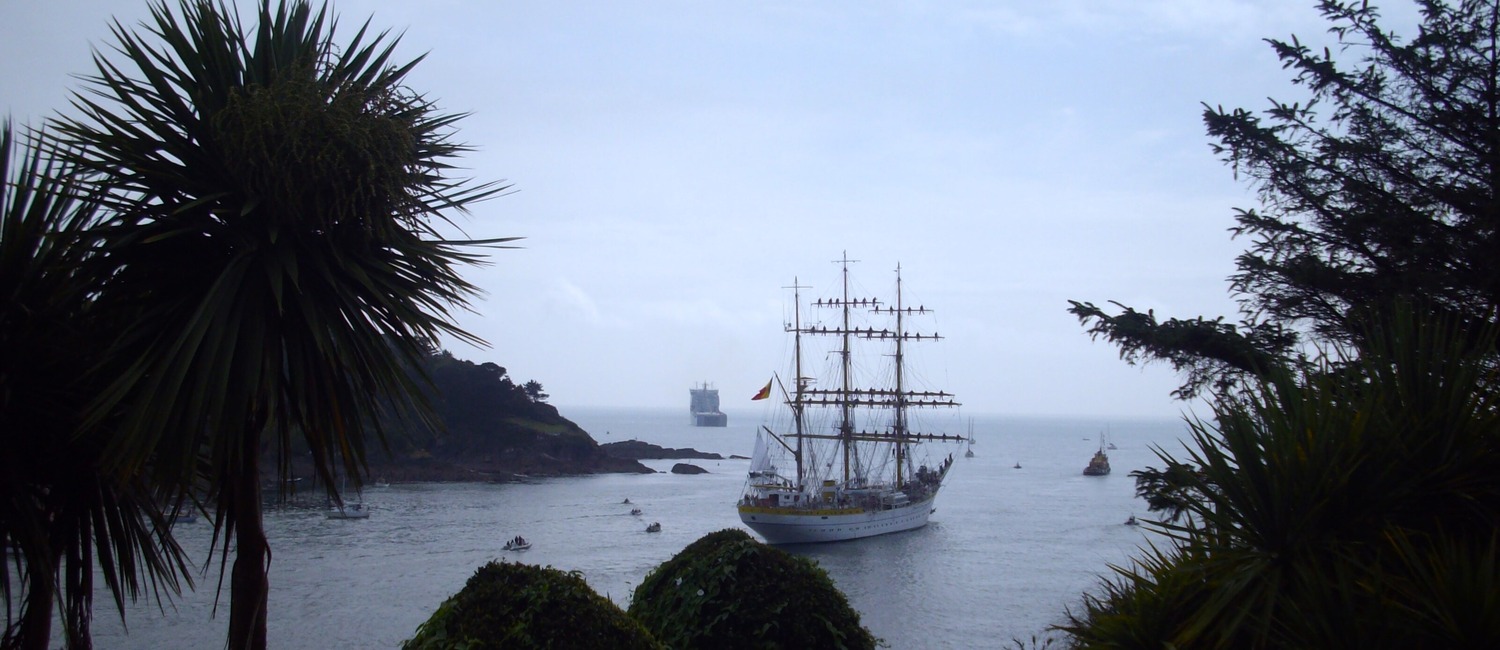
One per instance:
(518, 606)
(728, 590)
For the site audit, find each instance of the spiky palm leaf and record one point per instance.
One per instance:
(62, 515)
(273, 241)
(1333, 508)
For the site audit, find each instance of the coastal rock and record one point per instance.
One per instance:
(640, 450)
(684, 468)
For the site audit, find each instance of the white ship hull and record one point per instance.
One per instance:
(803, 526)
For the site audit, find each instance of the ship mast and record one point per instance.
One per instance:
(847, 398)
(899, 428)
(800, 379)
(846, 406)
(903, 400)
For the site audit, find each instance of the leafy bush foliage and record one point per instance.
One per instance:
(728, 590)
(519, 606)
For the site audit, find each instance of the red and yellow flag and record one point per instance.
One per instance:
(764, 392)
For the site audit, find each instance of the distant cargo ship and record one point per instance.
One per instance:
(705, 407)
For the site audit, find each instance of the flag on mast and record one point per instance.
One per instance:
(764, 392)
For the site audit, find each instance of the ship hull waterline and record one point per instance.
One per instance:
(804, 526)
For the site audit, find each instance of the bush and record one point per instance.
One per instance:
(518, 606)
(727, 590)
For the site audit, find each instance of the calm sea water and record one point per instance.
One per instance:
(1007, 551)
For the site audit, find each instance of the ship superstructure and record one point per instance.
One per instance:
(704, 407)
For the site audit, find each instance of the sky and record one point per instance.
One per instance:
(674, 165)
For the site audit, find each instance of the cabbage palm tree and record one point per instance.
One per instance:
(273, 202)
(1356, 508)
(62, 517)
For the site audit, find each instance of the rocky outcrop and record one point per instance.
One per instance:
(684, 468)
(639, 450)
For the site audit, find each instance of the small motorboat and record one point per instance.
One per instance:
(1132, 522)
(635, 511)
(349, 511)
(655, 527)
(517, 543)
(344, 510)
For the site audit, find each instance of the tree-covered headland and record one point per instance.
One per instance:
(486, 427)
(1342, 492)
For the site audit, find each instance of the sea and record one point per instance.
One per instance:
(1019, 536)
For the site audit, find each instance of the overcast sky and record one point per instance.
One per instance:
(675, 164)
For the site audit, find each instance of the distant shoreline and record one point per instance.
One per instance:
(615, 458)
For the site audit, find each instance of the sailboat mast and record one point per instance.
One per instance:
(900, 402)
(846, 408)
(799, 379)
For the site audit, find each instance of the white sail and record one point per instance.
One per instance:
(760, 461)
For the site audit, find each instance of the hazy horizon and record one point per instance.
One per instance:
(674, 165)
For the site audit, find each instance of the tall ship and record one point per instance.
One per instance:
(704, 407)
(841, 460)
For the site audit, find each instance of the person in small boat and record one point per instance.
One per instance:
(1131, 521)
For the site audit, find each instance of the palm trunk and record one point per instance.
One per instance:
(36, 626)
(248, 583)
(77, 611)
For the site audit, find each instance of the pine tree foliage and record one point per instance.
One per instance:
(1382, 184)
